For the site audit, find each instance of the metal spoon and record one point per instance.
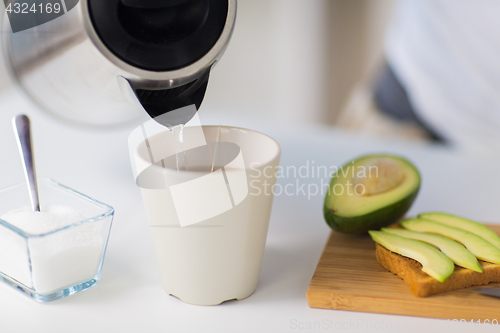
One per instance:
(22, 129)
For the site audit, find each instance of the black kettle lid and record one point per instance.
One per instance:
(159, 35)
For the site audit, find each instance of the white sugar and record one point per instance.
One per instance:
(52, 217)
(57, 260)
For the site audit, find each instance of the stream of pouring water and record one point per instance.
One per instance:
(215, 150)
(180, 153)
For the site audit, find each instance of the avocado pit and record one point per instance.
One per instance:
(381, 175)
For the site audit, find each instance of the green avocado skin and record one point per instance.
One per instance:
(371, 221)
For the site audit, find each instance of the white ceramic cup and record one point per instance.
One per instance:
(209, 229)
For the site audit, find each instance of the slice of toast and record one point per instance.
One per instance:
(421, 284)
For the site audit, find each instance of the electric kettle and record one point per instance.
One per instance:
(106, 62)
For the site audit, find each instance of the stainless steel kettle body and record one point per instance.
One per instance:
(106, 62)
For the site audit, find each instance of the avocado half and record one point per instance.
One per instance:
(370, 192)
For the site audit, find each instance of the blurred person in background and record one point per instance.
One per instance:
(441, 80)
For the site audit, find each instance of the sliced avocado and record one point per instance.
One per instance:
(456, 252)
(466, 224)
(434, 262)
(479, 247)
(370, 192)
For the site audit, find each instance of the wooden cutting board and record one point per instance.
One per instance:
(348, 277)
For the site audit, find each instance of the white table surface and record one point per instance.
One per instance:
(129, 297)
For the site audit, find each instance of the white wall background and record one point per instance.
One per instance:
(274, 64)
(3, 75)
(4, 79)
(293, 60)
